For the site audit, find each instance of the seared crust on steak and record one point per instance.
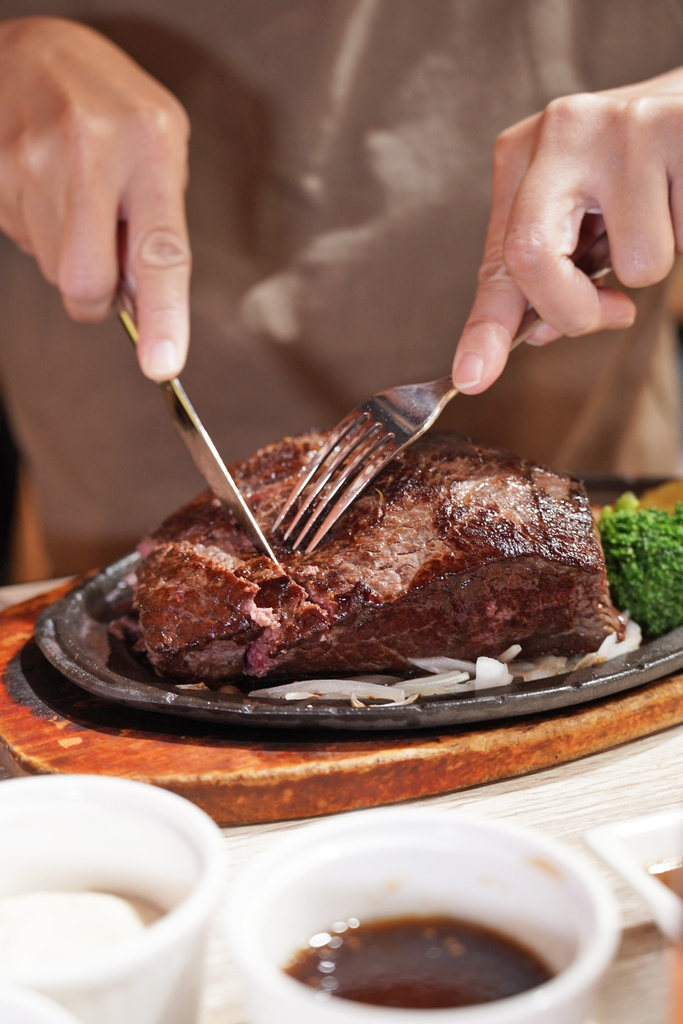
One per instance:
(456, 549)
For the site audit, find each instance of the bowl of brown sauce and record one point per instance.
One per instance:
(416, 916)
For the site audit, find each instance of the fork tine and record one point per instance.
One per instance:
(359, 447)
(358, 441)
(376, 463)
(344, 426)
(363, 453)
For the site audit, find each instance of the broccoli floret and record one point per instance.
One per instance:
(644, 557)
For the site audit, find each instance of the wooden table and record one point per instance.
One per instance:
(638, 778)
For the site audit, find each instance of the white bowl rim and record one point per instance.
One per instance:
(641, 823)
(200, 831)
(16, 997)
(610, 841)
(579, 976)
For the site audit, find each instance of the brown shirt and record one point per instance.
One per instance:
(340, 180)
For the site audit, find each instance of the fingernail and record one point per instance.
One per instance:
(162, 360)
(468, 371)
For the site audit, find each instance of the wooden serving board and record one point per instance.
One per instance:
(240, 776)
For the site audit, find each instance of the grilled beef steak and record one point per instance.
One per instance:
(456, 549)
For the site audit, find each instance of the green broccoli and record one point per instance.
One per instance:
(644, 556)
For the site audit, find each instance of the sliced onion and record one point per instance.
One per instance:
(447, 682)
(603, 653)
(605, 648)
(439, 665)
(491, 672)
(332, 688)
(510, 654)
(518, 668)
(549, 665)
(633, 638)
(450, 675)
(379, 678)
(612, 648)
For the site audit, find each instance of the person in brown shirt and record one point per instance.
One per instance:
(341, 195)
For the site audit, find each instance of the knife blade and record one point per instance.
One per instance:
(197, 440)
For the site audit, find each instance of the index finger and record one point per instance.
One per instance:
(158, 267)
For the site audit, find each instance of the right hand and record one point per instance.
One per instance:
(607, 162)
(88, 140)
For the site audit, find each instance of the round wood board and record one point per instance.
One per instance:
(48, 724)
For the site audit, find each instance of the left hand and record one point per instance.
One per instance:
(610, 161)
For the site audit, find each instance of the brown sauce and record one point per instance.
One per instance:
(417, 963)
(670, 872)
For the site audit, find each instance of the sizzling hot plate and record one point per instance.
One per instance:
(73, 634)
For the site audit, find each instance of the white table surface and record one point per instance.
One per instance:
(638, 778)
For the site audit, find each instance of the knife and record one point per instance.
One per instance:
(198, 442)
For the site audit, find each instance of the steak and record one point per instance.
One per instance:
(455, 549)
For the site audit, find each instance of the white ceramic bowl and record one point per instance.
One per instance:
(77, 832)
(22, 1006)
(392, 863)
(631, 846)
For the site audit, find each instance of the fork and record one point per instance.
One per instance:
(374, 433)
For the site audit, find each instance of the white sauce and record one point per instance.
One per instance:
(43, 928)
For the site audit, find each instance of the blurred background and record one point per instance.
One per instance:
(340, 183)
